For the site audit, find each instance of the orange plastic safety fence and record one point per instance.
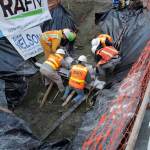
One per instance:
(116, 123)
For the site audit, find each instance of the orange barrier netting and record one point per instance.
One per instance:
(115, 125)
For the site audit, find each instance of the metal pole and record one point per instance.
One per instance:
(139, 119)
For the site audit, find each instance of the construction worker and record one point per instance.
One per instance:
(107, 58)
(78, 77)
(101, 41)
(51, 65)
(52, 40)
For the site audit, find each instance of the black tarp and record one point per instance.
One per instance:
(14, 71)
(15, 134)
(11, 62)
(3, 101)
(133, 42)
(60, 19)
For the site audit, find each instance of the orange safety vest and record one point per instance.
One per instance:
(78, 76)
(103, 37)
(54, 60)
(107, 53)
(50, 35)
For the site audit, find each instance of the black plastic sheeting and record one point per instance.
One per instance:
(14, 71)
(15, 134)
(3, 101)
(60, 19)
(133, 42)
(11, 62)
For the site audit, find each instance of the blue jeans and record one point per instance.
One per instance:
(115, 3)
(80, 93)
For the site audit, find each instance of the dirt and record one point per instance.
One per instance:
(40, 120)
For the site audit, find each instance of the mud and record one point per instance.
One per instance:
(40, 120)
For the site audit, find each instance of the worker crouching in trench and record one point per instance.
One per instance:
(106, 55)
(78, 77)
(50, 67)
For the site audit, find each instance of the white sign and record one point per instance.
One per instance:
(27, 43)
(19, 15)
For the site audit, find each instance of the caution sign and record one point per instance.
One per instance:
(27, 43)
(19, 15)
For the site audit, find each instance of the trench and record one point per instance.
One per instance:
(40, 120)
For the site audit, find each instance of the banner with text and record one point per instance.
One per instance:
(19, 15)
(27, 43)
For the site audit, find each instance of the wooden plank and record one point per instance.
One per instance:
(139, 119)
(68, 98)
(46, 94)
(51, 102)
(61, 119)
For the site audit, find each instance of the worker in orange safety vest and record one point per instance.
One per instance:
(52, 40)
(50, 67)
(107, 58)
(79, 76)
(101, 41)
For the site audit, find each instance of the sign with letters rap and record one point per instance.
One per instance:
(19, 15)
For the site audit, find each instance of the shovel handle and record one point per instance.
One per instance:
(46, 94)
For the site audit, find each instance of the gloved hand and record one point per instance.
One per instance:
(122, 4)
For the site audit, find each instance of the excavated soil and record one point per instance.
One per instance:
(40, 120)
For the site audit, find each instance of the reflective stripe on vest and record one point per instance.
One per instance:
(103, 38)
(51, 35)
(107, 53)
(54, 60)
(78, 76)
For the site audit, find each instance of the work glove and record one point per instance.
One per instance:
(122, 4)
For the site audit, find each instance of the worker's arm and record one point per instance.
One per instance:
(88, 77)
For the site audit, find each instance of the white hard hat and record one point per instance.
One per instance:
(60, 51)
(82, 58)
(69, 34)
(93, 49)
(95, 43)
